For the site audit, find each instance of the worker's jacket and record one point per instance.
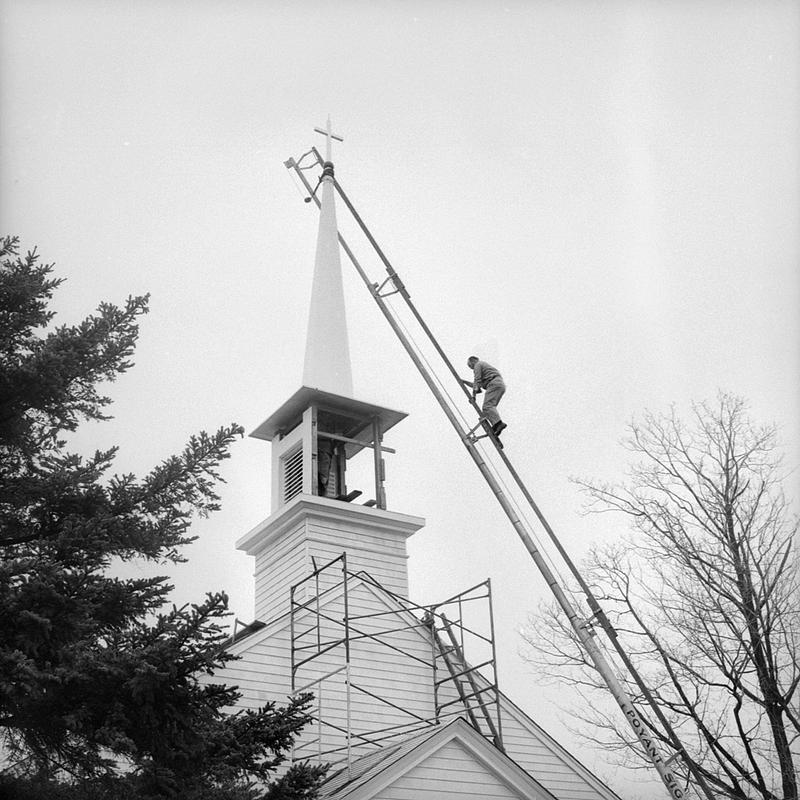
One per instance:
(484, 375)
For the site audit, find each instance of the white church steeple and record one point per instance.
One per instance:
(316, 515)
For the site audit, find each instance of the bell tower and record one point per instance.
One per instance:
(316, 515)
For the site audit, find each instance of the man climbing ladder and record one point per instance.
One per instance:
(488, 379)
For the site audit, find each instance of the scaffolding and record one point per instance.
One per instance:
(326, 628)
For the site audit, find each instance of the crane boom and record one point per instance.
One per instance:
(469, 438)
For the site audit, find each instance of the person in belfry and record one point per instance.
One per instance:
(489, 380)
(325, 455)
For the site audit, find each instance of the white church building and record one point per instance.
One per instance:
(407, 705)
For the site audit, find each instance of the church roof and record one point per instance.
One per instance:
(457, 742)
(373, 763)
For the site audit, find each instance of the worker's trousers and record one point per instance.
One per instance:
(494, 390)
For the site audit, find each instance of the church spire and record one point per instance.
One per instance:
(322, 426)
(327, 360)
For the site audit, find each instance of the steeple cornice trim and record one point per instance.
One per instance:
(310, 507)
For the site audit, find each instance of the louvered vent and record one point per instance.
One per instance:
(292, 475)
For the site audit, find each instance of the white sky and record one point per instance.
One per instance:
(604, 195)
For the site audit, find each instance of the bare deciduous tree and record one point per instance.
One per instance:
(704, 595)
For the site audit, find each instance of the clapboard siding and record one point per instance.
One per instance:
(359, 554)
(543, 758)
(385, 545)
(388, 565)
(262, 672)
(309, 532)
(293, 556)
(450, 773)
(375, 536)
(277, 569)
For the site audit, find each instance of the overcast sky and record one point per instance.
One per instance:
(602, 198)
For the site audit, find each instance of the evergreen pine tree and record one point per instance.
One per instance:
(100, 690)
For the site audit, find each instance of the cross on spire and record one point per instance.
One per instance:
(328, 134)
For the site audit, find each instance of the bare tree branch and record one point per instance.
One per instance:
(703, 594)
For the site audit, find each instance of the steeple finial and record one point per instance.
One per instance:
(328, 134)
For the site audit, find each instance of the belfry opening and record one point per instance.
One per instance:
(315, 435)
